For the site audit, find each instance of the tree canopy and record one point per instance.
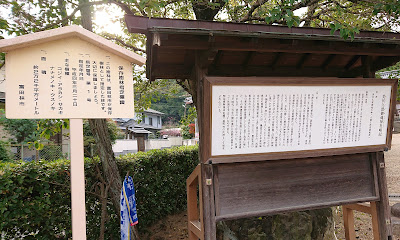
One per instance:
(348, 16)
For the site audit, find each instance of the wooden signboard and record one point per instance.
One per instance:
(69, 73)
(254, 119)
(68, 78)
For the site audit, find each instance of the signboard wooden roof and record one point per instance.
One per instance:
(68, 73)
(240, 49)
(7, 45)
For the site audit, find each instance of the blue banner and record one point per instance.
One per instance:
(128, 209)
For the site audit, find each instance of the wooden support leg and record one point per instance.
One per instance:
(348, 220)
(77, 180)
(210, 231)
(195, 222)
(349, 223)
(375, 220)
(382, 206)
(380, 211)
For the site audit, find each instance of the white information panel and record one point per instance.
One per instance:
(68, 78)
(261, 119)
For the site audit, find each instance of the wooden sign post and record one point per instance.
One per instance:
(320, 133)
(77, 180)
(69, 73)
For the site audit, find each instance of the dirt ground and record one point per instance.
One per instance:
(174, 227)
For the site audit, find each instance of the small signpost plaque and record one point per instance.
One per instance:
(69, 73)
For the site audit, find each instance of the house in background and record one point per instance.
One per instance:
(390, 74)
(143, 124)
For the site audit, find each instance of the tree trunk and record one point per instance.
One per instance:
(106, 154)
(206, 10)
(100, 132)
(101, 135)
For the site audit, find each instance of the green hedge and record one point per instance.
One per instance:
(35, 197)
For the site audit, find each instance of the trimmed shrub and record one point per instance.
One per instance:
(35, 197)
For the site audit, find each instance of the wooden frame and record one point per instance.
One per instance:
(252, 189)
(195, 211)
(209, 82)
(348, 218)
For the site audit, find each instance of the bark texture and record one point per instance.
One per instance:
(110, 168)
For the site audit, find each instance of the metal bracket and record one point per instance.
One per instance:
(382, 165)
(208, 181)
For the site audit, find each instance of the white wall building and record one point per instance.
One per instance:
(146, 122)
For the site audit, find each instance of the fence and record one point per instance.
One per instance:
(49, 152)
(124, 146)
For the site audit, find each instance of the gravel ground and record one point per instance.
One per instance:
(393, 166)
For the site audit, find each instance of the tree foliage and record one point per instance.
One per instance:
(31, 16)
(165, 96)
(22, 130)
(89, 141)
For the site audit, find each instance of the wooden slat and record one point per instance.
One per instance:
(348, 221)
(348, 218)
(327, 61)
(359, 207)
(303, 59)
(261, 188)
(194, 176)
(375, 220)
(227, 43)
(352, 61)
(195, 227)
(382, 206)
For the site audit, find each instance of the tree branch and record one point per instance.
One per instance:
(253, 7)
(126, 8)
(69, 17)
(109, 37)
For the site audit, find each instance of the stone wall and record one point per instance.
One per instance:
(305, 225)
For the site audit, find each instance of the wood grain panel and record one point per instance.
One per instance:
(269, 187)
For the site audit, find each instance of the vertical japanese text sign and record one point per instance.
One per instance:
(68, 73)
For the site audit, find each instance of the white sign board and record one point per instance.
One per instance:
(68, 78)
(261, 119)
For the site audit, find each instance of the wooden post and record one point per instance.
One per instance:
(348, 220)
(195, 210)
(382, 206)
(77, 180)
(375, 220)
(197, 79)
